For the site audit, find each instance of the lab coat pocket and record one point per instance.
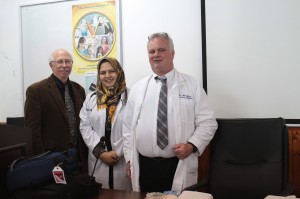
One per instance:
(187, 110)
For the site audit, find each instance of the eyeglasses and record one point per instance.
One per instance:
(62, 61)
(158, 34)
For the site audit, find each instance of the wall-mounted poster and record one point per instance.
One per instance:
(95, 35)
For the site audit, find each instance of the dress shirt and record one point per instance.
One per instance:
(61, 87)
(146, 135)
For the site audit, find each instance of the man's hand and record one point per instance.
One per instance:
(128, 171)
(182, 151)
(110, 158)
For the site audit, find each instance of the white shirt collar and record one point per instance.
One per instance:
(170, 75)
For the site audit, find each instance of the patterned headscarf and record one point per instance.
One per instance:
(109, 98)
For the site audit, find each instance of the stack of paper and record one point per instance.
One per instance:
(194, 195)
(280, 197)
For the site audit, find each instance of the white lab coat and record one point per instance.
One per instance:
(92, 128)
(194, 122)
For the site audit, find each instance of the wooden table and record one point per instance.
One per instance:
(117, 194)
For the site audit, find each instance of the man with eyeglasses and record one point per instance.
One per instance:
(52, 109)
(167, 124)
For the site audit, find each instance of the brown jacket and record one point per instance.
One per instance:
(45, 113)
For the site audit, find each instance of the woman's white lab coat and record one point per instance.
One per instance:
(194, 122)
(92, 128)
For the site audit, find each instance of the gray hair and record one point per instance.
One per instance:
(163, 35)
(51, 57)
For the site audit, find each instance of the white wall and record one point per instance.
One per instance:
(139, 18)
(11, 92)
(253, 58)
(182, 19)
(252, 51)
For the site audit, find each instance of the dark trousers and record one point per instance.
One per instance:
(156, 174)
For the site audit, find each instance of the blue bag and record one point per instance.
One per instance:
(26, 172)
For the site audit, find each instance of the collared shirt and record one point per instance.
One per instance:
(146, 126)
(61, 87)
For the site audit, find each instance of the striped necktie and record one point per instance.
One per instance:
(162, 114)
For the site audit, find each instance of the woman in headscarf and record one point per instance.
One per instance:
(101, 126)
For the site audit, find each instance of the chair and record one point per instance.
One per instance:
(17, 121)
(15, 141)
(248, 159)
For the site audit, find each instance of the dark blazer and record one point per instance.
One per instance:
(45, 113)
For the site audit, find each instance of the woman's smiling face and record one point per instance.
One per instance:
(107, 75)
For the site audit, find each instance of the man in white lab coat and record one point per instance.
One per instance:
(190, 124)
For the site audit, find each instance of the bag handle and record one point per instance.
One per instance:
(24, 158)
(21, 146)
(102, 139)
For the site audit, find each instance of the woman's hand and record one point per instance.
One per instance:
(110, 158)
